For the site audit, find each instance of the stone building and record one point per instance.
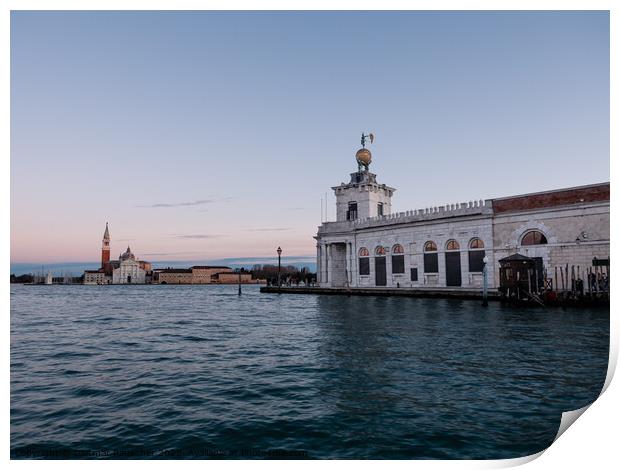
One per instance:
(446, 246)
(129, 270)
(95, 276)
(202, 275)
(229, 277)
(126, 270)
(172, 276)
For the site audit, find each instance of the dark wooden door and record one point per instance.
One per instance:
(539, 274)
(380, 272)
(453, 268)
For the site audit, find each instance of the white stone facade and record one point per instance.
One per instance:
(576, 231)
(575, 234)
(370, 198)
(129, 272)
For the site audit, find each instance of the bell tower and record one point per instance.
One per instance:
(105, 247)
(362, 197)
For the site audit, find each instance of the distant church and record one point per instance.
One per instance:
(448, 246)
(126, 270)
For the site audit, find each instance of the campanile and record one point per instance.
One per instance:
(105, 247)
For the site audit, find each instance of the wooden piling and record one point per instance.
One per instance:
(596, 279)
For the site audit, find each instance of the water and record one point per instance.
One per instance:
(197, 372)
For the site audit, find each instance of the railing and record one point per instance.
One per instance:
(427, 213)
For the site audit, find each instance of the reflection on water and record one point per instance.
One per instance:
(182, 371)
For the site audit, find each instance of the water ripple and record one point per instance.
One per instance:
(180, 371)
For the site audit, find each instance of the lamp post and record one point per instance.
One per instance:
(485, 260)
(279, 250)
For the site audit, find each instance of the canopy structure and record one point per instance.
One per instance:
(520, 276)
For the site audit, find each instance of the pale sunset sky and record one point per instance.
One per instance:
(202, 135)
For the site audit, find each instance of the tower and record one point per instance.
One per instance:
(105, 247)
(362, 197)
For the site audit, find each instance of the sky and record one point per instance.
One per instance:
(213, 135)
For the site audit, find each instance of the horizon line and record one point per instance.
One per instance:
(248, 258)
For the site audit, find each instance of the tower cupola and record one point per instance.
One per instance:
(362, 197)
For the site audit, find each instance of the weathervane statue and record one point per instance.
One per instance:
(363, 155)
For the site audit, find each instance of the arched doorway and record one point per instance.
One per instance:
(453, 264)
(380, 269)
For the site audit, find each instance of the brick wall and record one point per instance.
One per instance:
(595, 193)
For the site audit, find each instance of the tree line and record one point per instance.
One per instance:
(289, 275)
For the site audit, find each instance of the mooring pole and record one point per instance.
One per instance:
(279, 251)
(485, 303)
(239, 281)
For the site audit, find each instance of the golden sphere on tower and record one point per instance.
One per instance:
(363, 156)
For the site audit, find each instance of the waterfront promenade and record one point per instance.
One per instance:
(436, 292)
(548, 299)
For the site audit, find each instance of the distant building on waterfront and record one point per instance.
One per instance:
(126, 270)
(130, 270)
(95, 276)
(446, 246)
(172, 276)
(203, 275)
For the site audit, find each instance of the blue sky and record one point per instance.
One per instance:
(202, 135)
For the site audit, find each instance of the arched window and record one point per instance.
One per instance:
(476, 244)
(431, 264)
(364, 252)
(398, 259)
(380, 251)
(476, 255)
(430, 246)
(534, 237)
(452, 245)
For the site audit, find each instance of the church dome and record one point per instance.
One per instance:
(363, 156)
(127, 255)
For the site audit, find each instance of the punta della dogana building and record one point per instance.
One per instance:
(447, 246)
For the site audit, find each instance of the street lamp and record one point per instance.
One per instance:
(485, 260)
(279, 250)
